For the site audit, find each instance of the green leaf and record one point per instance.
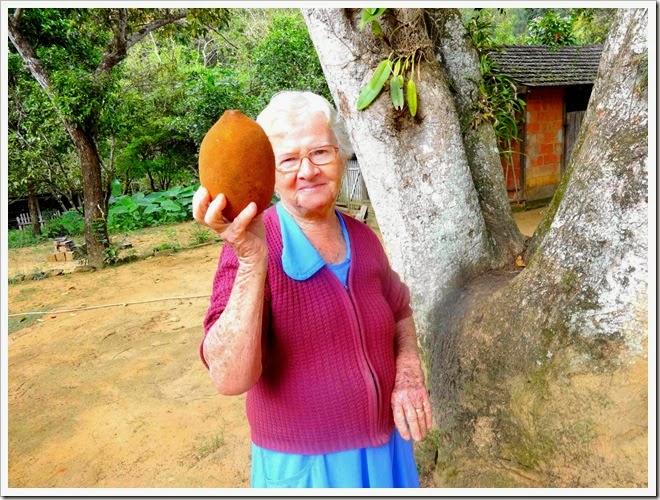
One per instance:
(126, 204)
(115, 187)
(369, 15)
(116, 210)
(151, 209)
(396, 91)
(375, 85)
(171, 206)
(411, 95)
(376, 29)
(397, 67)
(172, 192)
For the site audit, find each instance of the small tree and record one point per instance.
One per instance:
(73, 54)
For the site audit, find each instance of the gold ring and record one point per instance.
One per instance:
(419, 410)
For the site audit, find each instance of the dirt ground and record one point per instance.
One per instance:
(117, 397)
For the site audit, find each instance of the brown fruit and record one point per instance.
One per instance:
(236, 159)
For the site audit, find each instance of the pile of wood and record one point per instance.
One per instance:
(63, 250)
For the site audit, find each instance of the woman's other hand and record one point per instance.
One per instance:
(411, 405)
(246, 234)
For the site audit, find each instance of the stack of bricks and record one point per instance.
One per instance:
(63, 250)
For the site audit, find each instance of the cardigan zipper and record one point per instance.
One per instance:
(364, 353)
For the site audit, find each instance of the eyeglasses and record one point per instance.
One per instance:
(318, 156)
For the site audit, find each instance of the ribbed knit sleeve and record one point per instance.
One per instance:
(398, 295)
(396, 291)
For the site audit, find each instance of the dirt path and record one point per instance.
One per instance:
(117, 397)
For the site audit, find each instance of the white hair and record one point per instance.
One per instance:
(302, 104)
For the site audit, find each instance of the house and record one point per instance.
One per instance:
(556, 86)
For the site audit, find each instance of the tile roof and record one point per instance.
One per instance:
(538, 66)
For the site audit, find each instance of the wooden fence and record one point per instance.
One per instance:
(353, 189)
(24, 220)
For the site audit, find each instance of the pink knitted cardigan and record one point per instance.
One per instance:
(328, 367)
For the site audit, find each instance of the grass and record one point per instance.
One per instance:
(28, 291)
(206, 446)
(200, 235)
(18, 239)
(17, 323)
(167, 245)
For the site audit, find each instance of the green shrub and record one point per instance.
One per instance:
(19, 239)
(70, 223)
(139, 210)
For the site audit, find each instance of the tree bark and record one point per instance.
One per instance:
(415, 170)
(541, 380)
(33, 207)
(460, 61)
(96, 228)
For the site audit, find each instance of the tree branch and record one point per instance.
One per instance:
(17, 14)
(26, 51)
(121, 43)
(36, 67)
(154, 25)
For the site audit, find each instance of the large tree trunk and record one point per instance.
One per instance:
(96, 228)
(543, 381)
(460, 61)
(537, 378)
(415, 170)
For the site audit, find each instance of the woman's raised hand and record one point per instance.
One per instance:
(246, 234)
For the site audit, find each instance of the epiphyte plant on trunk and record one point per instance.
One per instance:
(399, 62)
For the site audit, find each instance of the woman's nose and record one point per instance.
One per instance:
(307, 169)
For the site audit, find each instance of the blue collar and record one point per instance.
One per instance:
(300, 259)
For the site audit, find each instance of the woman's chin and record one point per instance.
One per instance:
(314, 202)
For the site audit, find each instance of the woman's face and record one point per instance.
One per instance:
(312, 190)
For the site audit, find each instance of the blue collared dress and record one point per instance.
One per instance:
(391, 465)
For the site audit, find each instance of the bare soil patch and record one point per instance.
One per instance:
(117, 397)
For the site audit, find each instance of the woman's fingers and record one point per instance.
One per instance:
(200, 203)
(400, 422)
(238, 228)
(242, 233)
(411, 409)
(428, 413)
(213, 217)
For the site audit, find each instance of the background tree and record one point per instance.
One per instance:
(72, 54)
(530, 373)
(523, 26)
(39, 150)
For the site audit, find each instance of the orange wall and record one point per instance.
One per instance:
(544, 145)
(544, 142)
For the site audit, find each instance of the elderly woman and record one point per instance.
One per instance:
(308, 317)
